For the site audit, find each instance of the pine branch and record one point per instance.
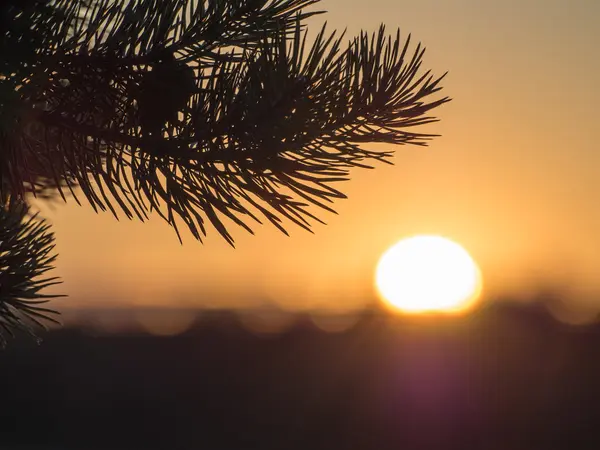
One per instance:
(262, 128)
(25, 257)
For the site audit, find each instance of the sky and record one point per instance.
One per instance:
(514, 178)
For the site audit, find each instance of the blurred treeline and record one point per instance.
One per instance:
(506, 377)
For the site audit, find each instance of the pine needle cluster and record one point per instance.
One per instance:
(210, 113)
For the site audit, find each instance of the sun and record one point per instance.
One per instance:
(425, 273)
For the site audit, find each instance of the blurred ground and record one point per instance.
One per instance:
(506, 377)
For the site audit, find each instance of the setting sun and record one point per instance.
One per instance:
(428, 274)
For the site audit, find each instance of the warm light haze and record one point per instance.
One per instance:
(513, 179)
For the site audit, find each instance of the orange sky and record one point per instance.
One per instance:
(514, 178)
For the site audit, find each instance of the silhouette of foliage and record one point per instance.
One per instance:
(207, 112)
(25, 246)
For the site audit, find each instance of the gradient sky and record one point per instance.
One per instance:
(514, 178)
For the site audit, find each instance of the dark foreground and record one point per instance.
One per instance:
(506, 378)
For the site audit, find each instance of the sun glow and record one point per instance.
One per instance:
(428, 274)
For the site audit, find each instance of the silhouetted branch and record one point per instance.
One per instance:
(25, 247)
(263, 128)
(205, 111)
